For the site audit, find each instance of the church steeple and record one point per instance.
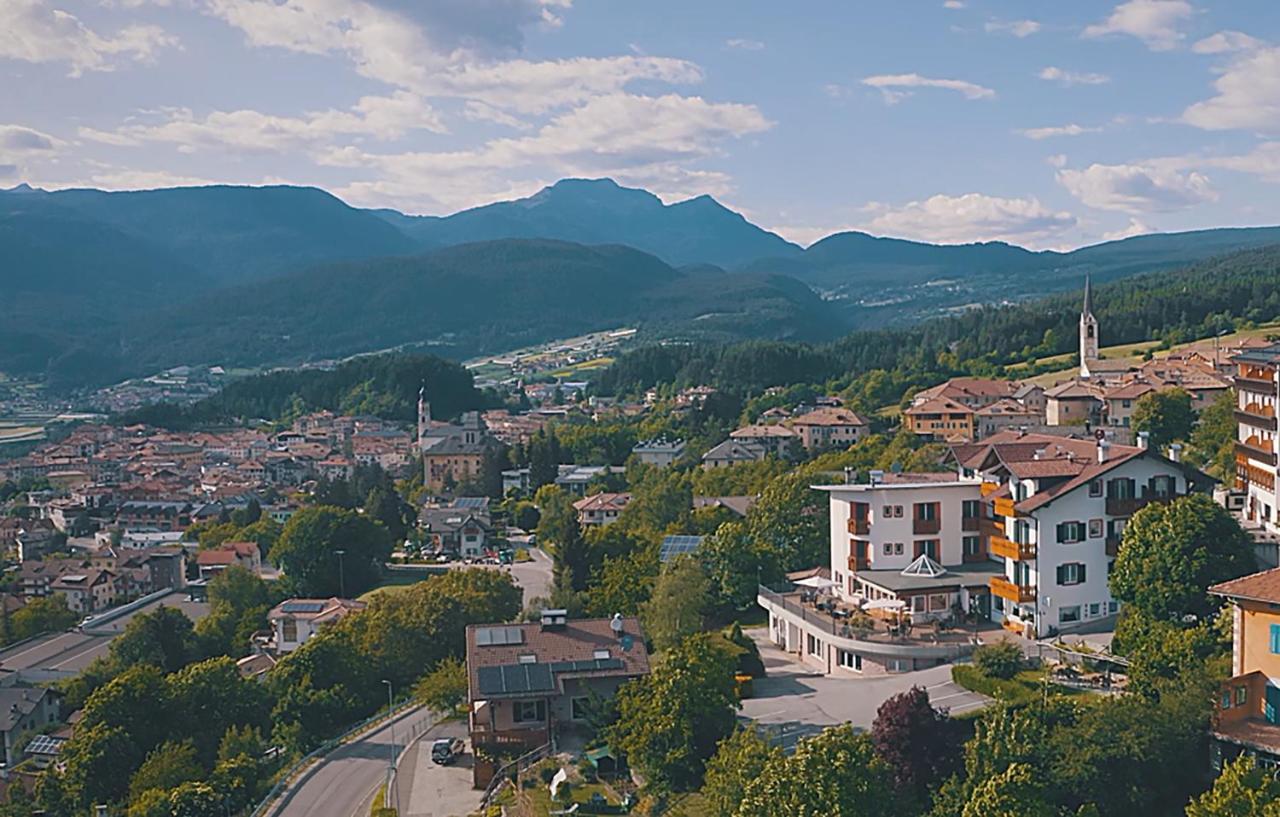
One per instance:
(424, 415)
(1088, 330)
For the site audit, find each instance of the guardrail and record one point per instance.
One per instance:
(303, 764)
(94, 627)
(390, 795)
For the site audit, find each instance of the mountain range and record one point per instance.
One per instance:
(105, 284)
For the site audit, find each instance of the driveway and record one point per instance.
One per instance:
(425, 789)
(793, 701)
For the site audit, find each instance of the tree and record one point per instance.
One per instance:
(1001, 659)
(444, 688)
(164, 638)
(247, 515)
(196, 799)
(918, 743)
(41, 615)
(524, 515)
(570, 568)
(739, 759)
(167, 766)
(679, 604)
(670, 721)
(1214, 437)
(1166, 415)
(1015, 792)
(623, 583)
(383, 504)
(1171, 554)
(307, 552)
(1163, 651)
(238, 606)
(1242, 790)
(557, 514)
(97, 765)
(215, 696)
(834, 774)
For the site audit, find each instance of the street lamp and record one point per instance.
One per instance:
(342, 579)
(391, 764)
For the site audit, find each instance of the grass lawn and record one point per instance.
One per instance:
(392, 583)
(536, 801)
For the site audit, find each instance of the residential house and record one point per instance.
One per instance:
(154, 515)
(1247, 717)
(732, 452)
(974, 392)
(738, 505)
(940, 418)
(829, 427)
(601, 508)
(86, 591)
(530, 684)
(215, 560)
(1005, 414)
(778, 440)
(294, 621)
(35, 539)
(576, 479)
(456, 530)
(1120, 400)
(661, 452)
(1074, 403)
(24, 709)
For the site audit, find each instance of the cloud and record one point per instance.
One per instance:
(132, 179)
(1262, 161)
(1068, 78)
(1226, 41)
(383, 118)
(887, 83)
(32, 31)
(19, 139)
(744, 45)
(1248, 96)
(1155, 22)
(1149, 188)
(1018, 28)
(971, 217)
(643, 140)
(953, 4)
(1135, 227)
(1061, 130)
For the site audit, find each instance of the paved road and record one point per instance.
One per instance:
(424, 789)
(793, 701)
(534, 576)
(64, 654)
(344, 782)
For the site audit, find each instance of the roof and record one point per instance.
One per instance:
(744, 450)
(738, 504)
(971, 386)
(761, 430)
(604, 501)
(1264, 586)
(939, 405)
(315, 610)
(1006, 406)
(18, 702)
(1129, 391)
(829, 416)
(1074, 390)
(577, 649)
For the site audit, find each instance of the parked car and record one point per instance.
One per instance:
(446, 750)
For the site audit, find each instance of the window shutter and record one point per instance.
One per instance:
(1080, 572)
(1061, 574)
(1061, 534)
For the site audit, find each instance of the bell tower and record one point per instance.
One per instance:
(1088, 330)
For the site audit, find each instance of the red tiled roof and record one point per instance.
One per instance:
(1264, 586)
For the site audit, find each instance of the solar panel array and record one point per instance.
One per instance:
(673, 546)
(471, 502)
(45, 745)
(513, 678)
(499, 636)
(303, 606)
(587, 666)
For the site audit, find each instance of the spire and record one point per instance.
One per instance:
(1088, 296)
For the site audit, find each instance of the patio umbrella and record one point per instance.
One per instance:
(886, 604)
(816, 582)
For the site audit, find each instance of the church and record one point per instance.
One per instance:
(452, 455)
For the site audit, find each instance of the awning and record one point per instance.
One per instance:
(816, 582)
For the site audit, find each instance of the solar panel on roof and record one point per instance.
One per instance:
(499, 636)
(515, 678)
(471, 502)
(677, 545)
(303, 606)
(45, 745)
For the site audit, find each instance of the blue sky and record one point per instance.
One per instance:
(1041, 122)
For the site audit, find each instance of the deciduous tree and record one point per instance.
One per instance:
(1166, 415)
(307, 552)
(739, 759)
(679, 604)
(834, 774)
(918, 743)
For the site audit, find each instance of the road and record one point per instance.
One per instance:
(533, 576)
(345, 781)
(61, 655)
(424, 789)
(793, 701)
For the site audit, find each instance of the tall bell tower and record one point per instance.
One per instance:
(1088, 330)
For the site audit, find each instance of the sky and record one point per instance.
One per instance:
(1046, 123)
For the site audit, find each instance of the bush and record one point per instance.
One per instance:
(1001, 660)
(974, 679)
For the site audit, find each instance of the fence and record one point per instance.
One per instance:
(518, 765)
(390, 796)
(298, 769)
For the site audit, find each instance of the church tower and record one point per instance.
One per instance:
(1088, 330)
(424, 416)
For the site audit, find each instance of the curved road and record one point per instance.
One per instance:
(343, 782)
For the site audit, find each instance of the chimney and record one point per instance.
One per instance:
(615, 624)
(554, 619)
(1175, 452)
(1104, 448)
(876, 477)
(1144, 439)
(850, 475)
(1039, 455)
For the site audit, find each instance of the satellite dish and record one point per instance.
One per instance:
(1100, 434)
(615, 624)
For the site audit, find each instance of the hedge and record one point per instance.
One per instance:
(974, 679)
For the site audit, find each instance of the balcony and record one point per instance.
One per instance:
(1257, 416)
(926, 526)
(1113, 545)
(1254, 451)
(1016, 593)
(859, 526)
(1255, 386)
(1000, 546)
(970, 523)
(1004, 507)
(859, 561)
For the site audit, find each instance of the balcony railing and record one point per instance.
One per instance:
(970, 523)
(1016, 593)
(1255, 386)
(1004, 507)
(1254, 452)
(1256, 419)
(859, 526)
(859, 561)
(926, 525)
(1000, 546)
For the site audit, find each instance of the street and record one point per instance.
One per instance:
(793, 702)
(425, 789)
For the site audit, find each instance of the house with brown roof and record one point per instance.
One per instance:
(974, 392)
(601, 508)
(1005, 414)
(1247, 715)
(828, 427)
(294, 621)
(940, 418)
(530, 684)
(1073, 403)
(215, 560)
(770, 438)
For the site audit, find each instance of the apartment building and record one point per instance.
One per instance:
(1054, 509)
(1247, 716)
(829, 427)
(1256, 447)
(940, 418)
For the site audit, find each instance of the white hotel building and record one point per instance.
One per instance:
(1023, 534)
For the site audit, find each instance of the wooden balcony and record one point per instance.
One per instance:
(1257, 418)
(1004, 507)
(1113, 545)
(859, 526)
(926, 526)
(1000, 546)
(859, 555)
(857, 563)
(1256, 452)
(1016, 593)
(1255, 386)
(970, 523)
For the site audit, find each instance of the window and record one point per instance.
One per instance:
(1242, 696)
(1071, 573)
(897, 548)
(888, 548)
(1121, 489)
(972, 545)
(887, 511)
(1095, 488)
(600, 655)
(290, 627)
(1275, 639)
(1163, 485)
(1127, 403)
(1095, 609)
(970, 509)
(1226, 699)
(927, 547)
(1112, 607)
(897, 511)
(937, 602)
(1066, 615)
(528, 711)
(926, 511)
(850, 660)
(579, 708)
(1071, 532)
(1022, 531)
(815, 646)
(1095, 528)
